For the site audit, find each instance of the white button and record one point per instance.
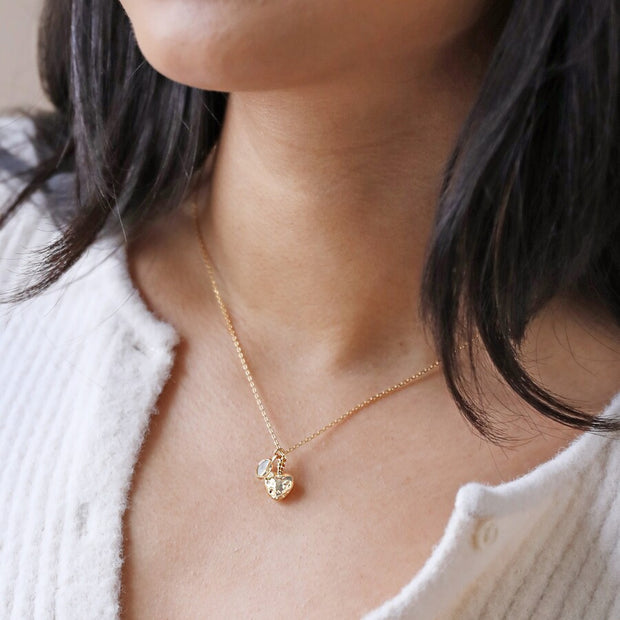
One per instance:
(485, 533)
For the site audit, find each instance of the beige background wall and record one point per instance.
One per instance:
(18, 76)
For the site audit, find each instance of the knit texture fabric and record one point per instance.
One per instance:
(81, 367)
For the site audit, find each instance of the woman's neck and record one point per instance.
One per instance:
(321, 200)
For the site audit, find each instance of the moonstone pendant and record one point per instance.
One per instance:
(264, 468)
(278, 484)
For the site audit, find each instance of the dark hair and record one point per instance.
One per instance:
(528, 208)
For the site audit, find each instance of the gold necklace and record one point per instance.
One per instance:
(279, 484)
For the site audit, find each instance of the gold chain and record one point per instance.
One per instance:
(231, 330)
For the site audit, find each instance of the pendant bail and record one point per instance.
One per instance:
(280, 455)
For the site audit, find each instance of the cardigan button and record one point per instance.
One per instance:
(485, 534)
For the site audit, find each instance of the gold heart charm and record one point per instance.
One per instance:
(279, 486)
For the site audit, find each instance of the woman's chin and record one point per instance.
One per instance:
(221, 46)
(221, 60)
(222, 64)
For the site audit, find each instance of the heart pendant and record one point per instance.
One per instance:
(279, 486)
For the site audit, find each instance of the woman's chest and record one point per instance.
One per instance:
(216, 545)
(223, 557)
(372, 497)
(202, 538)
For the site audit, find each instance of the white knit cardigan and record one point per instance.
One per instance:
(81, 367)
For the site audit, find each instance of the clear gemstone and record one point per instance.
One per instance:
(264, 467)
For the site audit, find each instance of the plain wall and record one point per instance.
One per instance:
(19, 82)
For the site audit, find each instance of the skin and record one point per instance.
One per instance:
(317, 214)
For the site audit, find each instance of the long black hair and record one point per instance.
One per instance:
(529, 208)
